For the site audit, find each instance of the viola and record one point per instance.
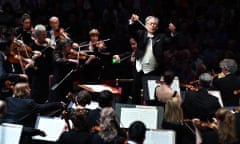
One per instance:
(61, 34)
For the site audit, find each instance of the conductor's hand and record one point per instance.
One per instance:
(134, 18)
(117, 58)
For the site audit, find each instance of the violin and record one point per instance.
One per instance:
(61, 34)
(203, 125)
(80, 55)
(21, 48)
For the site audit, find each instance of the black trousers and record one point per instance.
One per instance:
(138, 84)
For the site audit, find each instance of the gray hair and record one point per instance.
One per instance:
(108, 129)
(205, 79)
(229, 64)
(151, 17)
(38, 29)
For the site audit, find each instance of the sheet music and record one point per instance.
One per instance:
(152, 84)
(51, 126)
(10, 133)
(217, 94)
(147, 116)
(160, 137)
(99, 88)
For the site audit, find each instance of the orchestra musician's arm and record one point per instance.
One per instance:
(9, 76)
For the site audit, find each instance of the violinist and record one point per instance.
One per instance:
(62, 66)
(228, 126)
(24, 32)
(56, 33)
(39, 80)
(91, 71)
(200, 104)
(228, 84)
(5, 69)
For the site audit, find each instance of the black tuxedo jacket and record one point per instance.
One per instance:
(24, 111)
(160, 42)
(227, 86)
(199, 104)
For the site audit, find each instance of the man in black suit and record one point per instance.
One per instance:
(200, 104)
(149, 53)
(229, 85)
(24, 110)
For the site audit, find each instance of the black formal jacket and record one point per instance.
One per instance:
(160, 42)
(24, 111)
(227, 86)
(200, 104)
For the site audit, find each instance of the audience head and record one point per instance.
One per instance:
(105, 99)
(168, 77)
(137, 131)
(151, 24)
(205, 80)
(3, 108)
(83, 98)
(226, 126)
(228, 66)
(79, 119)
(173, 111)
(21, 90)
(107, 125)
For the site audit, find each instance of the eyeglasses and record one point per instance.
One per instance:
(152, 24)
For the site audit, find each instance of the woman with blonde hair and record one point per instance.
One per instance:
(228, 126)
(173, 120)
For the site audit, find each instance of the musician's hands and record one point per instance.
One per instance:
(74, 61)
(134, 18)
(23, 76)
(75, 45)
(91, 58)
(36, 54)
(42, 133)
(116, 58)
(63, 104)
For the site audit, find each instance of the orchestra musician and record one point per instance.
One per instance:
(228, 84)
(200, 104)
(62, 65)
(164, 91)
(39, 73)
(25, 31)
(6, 70)
(92, 66)
(56, 32)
